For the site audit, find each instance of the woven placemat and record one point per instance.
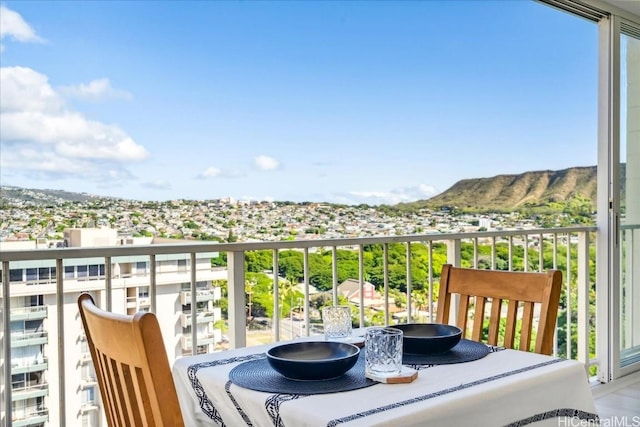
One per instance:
(464, 351)
(259, 375)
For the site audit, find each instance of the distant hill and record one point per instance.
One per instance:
(499, 193)
(16, 195)
(511, 192)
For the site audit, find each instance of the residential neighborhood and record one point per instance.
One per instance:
(228, 220)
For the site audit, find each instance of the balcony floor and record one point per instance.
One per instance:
(616, 401)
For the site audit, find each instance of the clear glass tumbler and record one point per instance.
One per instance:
(383, 351)
(337, 323)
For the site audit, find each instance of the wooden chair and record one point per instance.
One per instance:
(132, 367)
(490, 287)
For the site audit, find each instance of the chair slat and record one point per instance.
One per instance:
(527, 326)
(478, 319)
(510, 327)
(494, 323)
(144, 397)
(101, 367)
(131, 395)
(118, 392)
(463, 313)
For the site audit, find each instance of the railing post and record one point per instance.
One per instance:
(493, 253)
(276, 295)
(305, 267)
(6, 344)
(236, 310)
(194, 304)
(583, 298)
(152, 282)
(511, 253)
(334, 274)
(108, 284)
(431, 280)
(61, 361)
(453, 252)
(568, 296)
(453, 258)
(385, 268)
(361, 280)
(409, 311)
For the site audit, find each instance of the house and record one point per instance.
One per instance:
(350, 289)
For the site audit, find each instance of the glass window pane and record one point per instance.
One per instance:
(15, 275)
(82, 271)
(630, 199)
(32, 274)
(44, 273)
(94, 270)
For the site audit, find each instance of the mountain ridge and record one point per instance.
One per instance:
(516, 191)
(503, 192)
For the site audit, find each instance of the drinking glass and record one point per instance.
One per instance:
(337, 323)
(383, 351)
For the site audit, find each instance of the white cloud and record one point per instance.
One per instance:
(214, 172)
(38, 164)
(40, 133)
(211, 172)
(95, 90)
(157, 185)
(392, 197)
(13, 26)
(266, 163)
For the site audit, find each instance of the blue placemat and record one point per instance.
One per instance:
(259, 375)
(464, 351)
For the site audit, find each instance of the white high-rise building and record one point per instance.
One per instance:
(35, 343)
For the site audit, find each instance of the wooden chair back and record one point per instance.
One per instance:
(489, 289)
(132, 367)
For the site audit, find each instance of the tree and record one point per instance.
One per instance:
(290, 265)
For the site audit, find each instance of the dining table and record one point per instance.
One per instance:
(471, 385)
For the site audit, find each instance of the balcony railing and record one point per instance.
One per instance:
(88, 406)
(22, 339)
(201, 296)
(575, 245)
(29, 313)
(31, 416)
(203, 339)
(26, 366)
(206, 316)
(30, 391)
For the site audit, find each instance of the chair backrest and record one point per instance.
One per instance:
(489, 289)
(132, 367)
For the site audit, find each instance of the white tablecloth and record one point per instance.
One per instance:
(505, 388)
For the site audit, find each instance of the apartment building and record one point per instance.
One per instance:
(36, 344)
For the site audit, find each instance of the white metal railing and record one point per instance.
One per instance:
(577, 280)
(89, 405)
(25, 336)
(21, 365)
(28, 388)
(31, 415)
(206, 316)
(29, 312)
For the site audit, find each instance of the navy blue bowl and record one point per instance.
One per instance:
(428, 338)
(313, 360)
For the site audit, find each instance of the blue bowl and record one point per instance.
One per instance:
(313, 360)
(428, 338)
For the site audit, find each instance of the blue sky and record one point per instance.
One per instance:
(338, 101)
